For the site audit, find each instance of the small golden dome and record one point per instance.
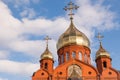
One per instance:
(47, 54)
(73, 36)
(102, 52)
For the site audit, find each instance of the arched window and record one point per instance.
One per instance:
(85, 58)
(80, 56)
(62, 58)
(67, 56)
(105, 64)
(73, 54)
(46, 65)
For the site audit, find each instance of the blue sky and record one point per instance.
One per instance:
(24, 24)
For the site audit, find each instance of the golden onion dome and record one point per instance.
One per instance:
(73, 36)
(47, 54)
(102, 52)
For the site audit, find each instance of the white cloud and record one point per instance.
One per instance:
(17, 3)
(10, 27)
(20, 3)
(28, 13)
(4, 54)
(33, 47)
(3, 78)
(12, 67)
(94, 16)
(29, 47)
(42, 26)
(6, 18)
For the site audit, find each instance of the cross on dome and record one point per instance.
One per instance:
(71, 7)
(99, 36)
(47, 38)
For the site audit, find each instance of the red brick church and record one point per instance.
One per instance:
(74, 61)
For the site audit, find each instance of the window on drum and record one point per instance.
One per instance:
(80, 56)
(73, 54)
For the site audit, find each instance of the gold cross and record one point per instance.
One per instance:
(47, 38)
(99, 36)
(71, 7)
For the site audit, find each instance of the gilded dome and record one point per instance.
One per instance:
(73, 36)
(47, 54)
(102, 52)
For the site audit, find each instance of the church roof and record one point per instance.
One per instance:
(47, 54)
(73, 36)
(102, 52)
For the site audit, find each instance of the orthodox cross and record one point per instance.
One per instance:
(47, 38)
(99, 36)
(71, 7)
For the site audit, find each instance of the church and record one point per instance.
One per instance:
(74, 58)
